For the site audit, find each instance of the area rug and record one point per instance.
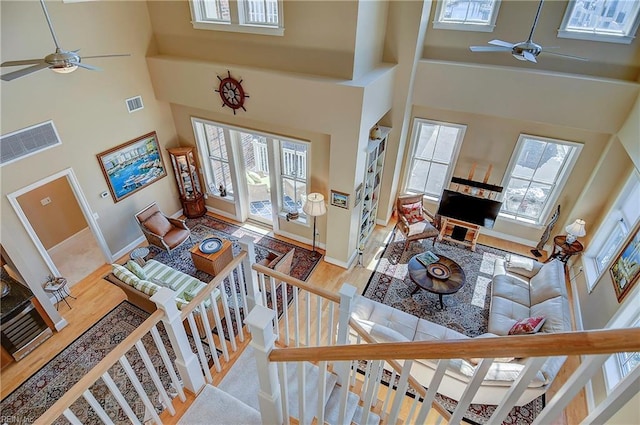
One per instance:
(466, 311)
(303, 261)
(41, 390)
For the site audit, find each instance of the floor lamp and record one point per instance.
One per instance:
(314, 207)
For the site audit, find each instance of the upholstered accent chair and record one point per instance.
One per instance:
(162, 231)
(414, 221)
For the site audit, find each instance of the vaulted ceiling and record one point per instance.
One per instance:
(513, 24)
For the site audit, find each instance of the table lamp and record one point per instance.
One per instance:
(575, 230)
(313, 207)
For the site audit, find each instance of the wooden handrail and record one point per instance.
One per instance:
(602, 341)
(68, 398)
(417, 387)
(213, 283)
(297, 282)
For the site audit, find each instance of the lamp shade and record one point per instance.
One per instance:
(576, 228)
(314, 206)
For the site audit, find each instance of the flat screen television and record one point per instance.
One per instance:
(474, 210)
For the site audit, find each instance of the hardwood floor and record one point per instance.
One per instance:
(96, 297)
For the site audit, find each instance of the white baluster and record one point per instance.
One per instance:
(154, 377)
(186, 361)
(95, 405)
(218, 319)
(209, 335)
(259, 322)
(137, 385)
(167, 363)
(433, 388)
(106, 378)
(470, 391)
(254, 296)
(401, 390)
(71, 417)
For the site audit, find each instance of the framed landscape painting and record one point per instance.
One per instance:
(340, 199)
(625, 270)
(132, 166)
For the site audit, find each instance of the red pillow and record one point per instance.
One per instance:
(412, 212)
(530, 325)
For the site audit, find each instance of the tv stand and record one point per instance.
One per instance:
(459, 231)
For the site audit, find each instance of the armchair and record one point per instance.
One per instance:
(162, 231)
(414, 221)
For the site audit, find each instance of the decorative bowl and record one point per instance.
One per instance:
(210, 245)
(438, 271)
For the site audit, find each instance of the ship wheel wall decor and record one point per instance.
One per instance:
(231, 92)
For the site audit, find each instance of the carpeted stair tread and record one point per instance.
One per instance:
(373, 418)
(333, 406)
(245, 371)
(215, 407)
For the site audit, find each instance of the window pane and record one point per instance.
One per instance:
(537, 167)
(435, 181)
(216, 10)
(261, 12)
(418, 176)
(427, 141)
(222, 175)
(608, 250)
(293, 193)
(603, 16)
(447, 137)
(475, 11)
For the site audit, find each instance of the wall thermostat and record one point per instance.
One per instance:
(104, 194)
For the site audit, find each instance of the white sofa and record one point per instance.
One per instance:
(508, 299)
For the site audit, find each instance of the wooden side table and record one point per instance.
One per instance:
(563, 250)
(212, 263)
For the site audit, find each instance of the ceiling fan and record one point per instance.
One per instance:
(524, 50)
(62, 61)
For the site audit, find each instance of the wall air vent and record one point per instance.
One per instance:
(134, 104)
(28, 141)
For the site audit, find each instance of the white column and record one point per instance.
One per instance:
(259, 322)
(186, 361)
(254, 297)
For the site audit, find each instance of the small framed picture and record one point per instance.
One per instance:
(358, 195)
(340, 199)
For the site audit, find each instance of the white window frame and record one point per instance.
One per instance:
(558, 185)
(239, 18)
(232, 133)
(595, 35)
(628, 316)
(205, 157)
(439, 23)
(302, 163)
(415, 135)
(618, 216)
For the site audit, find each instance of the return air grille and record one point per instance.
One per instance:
(28, 141)
(134, 104)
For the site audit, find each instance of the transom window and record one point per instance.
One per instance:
(613, 21)
(255, 16)
(466, 15)
(536, 174)
(435, 147)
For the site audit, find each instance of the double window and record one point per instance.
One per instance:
(435, 147)
(535, 176)
(466, 15)
(254, 16)
(614, 21)
(613, 231)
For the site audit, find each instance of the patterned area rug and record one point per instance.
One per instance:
(180, 259)
(40, 391)
(466, 311)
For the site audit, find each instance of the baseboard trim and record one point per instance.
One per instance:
(128, 248)
(61, 324)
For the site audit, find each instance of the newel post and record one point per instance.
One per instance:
(254, 297)
(260, 324)
(347, 293)
(186, 361)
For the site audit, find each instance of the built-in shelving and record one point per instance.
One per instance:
(375, 154)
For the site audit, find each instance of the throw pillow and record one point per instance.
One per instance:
(515, 261)
(157, 224)
(136, 269)
(255, 177)
(122, 273)
(530, 325)
(412, 212)
(160, 282)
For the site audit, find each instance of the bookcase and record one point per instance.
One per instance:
(375, 153)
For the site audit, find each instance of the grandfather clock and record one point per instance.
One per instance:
(186, 172)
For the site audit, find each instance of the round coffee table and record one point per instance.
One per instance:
(424, 280)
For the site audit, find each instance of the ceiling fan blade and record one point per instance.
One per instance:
(489, 49)
(501, 43)
(85, 66)
(566, 56)
(22, 72)
(529, 56)
(22, 62)
(104, 56)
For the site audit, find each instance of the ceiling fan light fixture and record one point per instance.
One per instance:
(519, 56)
(65, 69)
